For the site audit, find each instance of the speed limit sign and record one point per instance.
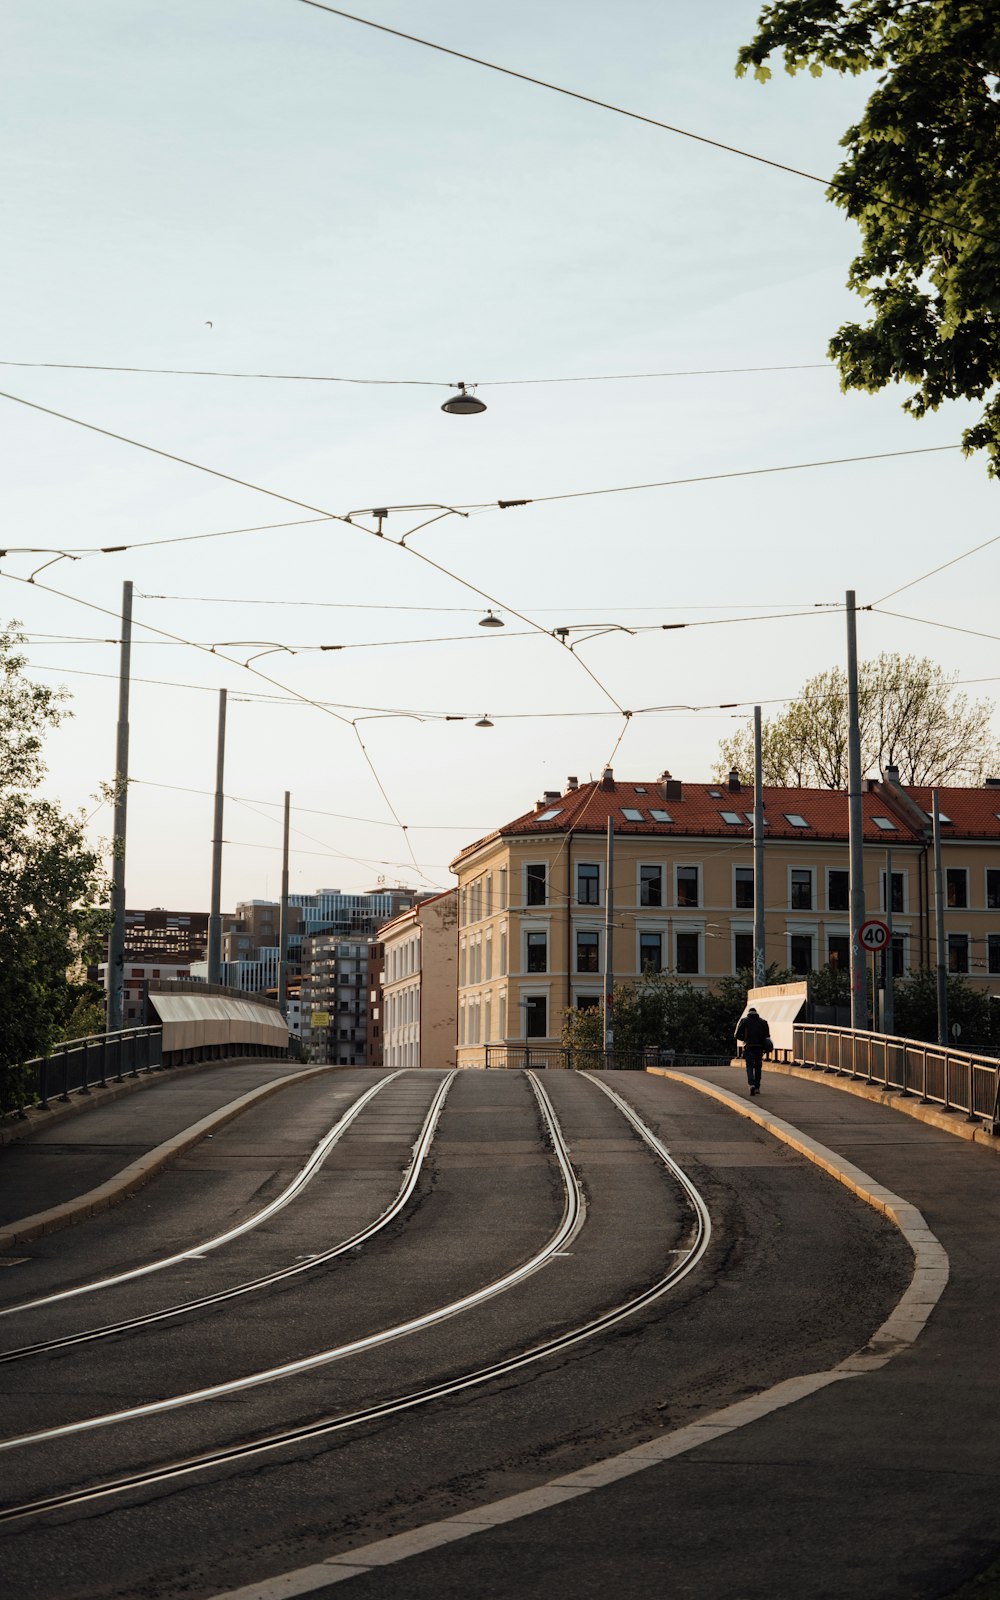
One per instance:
(874, 935)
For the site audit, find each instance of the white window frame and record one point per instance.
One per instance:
(583, 927)
(802, 930)
(535, 927)
(700, 870)
(838, 911)
(689, 927)
(657, 866)
(524, 884)
(742, 928)
(535, 992)
(968, 903)
(741, 866)
(660, 930)
(576, 883)
(884, 890)
(812, 907)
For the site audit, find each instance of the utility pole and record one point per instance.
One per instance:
(215, 914)
(609, 941)
(859, 978)
(888, 970)
(759, 953)
(116, 939)
(942, 954)
(283, 917)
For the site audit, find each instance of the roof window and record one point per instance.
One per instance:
(733, 818)
(941, 816)
(796, 821)
(716, 794)
(664, 816)
(547, 816)
(885, 824)
(632, 814)
(640, 789)
(749, 817)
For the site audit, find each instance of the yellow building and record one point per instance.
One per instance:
(531, 896)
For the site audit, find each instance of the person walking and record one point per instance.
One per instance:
(754, 1034)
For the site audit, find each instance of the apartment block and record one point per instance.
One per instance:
(419, 984)
(532, 895)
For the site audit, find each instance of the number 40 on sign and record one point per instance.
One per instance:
(873, 934)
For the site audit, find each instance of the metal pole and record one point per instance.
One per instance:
(942, 968)
(759, 953)
(116, 939)
(859, 980)
(888, 1010)
(215, 916)
(283, 918)
(609, 941)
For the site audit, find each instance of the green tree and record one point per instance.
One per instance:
(922, 180)
(910, 717)
(915, 1010)
(52, 886)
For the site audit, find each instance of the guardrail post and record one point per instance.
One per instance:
(43, 1086)
(85, 1069)
(65, 1074)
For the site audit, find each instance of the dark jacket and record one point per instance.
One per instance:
(753, 1031)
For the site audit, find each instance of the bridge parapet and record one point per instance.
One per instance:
(958, 1080)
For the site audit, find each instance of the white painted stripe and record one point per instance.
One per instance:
(901, 1328)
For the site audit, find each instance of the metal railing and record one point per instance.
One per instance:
(77, 1065)
(958, 1080)
(522, 1056)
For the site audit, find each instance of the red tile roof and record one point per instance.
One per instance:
(975, 813)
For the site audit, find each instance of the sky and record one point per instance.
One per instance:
(257, 186)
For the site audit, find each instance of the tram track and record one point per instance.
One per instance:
(410, 1178)
(197, 1251)
(570, 1223)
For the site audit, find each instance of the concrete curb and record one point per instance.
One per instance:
(139, 1172)
(953, 1122)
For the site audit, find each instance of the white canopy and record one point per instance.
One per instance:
(779, 1004)
(190, 1020)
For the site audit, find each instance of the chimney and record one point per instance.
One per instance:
(607, 779)
(891, 774)
(572, 784)
(992, 783)
(672, 788)
(551, 795)
(734, 781)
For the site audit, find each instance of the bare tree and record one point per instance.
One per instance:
(910, 717)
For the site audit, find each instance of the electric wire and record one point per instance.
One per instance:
(935, 570)
(654, 122)
(419, 383)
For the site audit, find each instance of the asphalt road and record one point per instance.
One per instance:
(797, 1276)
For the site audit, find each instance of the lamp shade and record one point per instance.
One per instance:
(490, 621)
(484, 722)
(463, 404)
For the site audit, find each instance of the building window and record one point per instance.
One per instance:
(898, 892)
(689, 949)
(536, 951)
(651, 886)
(587, 1002)
(958, 952)
(743, 888)
(801, 952)
(796, 820)
(993, 952)
(687, 887)
(651, 952)
(838, 951)
(489, 955)
(632, 814)
(536, 1016)
(503, 952)
(992, 889)
(801, 889)
(957, 892)
(587, 951)
(588, 883)
(838, 890)
(742, 951)
(898, 955)
(534, 885)
(503, 888)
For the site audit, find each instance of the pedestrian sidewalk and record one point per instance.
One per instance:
(84, 1164)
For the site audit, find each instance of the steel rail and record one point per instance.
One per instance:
(204, 1461)
(410, 1176)
(195, 1252)
(574, 1211)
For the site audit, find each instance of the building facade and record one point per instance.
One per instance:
(419, 984)
(533, 895)
(336, 977)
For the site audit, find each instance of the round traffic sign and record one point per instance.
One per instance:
(874, 934)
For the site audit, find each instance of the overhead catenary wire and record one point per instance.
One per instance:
(419, 383)
(654, 122)
(953, 562)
